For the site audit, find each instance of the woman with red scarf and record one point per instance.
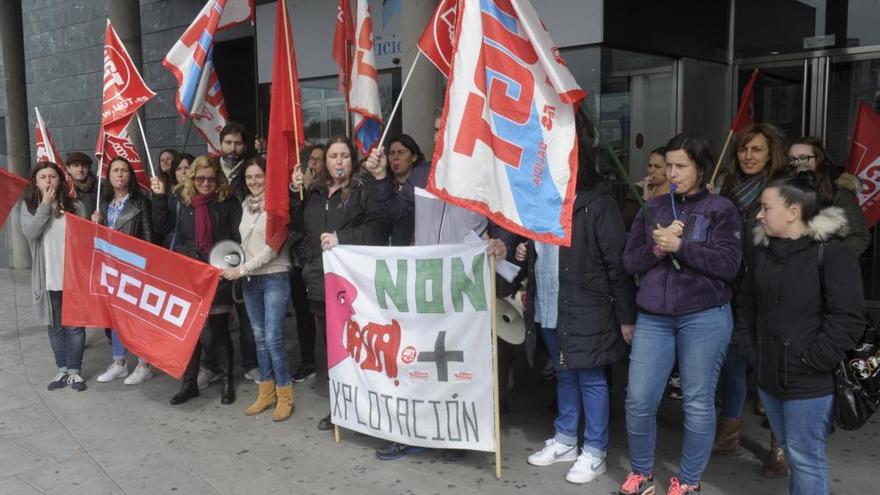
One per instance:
(208, 213)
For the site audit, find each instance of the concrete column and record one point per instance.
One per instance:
(126, 18)
(17, 136)
(420, 99)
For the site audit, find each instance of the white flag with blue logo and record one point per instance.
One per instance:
(507, 146)
(363, 97)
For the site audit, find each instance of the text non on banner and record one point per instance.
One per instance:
(409, 344)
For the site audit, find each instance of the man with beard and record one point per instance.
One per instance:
(79, 166)
(232, 156)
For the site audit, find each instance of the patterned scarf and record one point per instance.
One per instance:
(747, 189)
(255, 203)
(204, 227)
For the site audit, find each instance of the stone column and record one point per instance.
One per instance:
(17, 136)
(421, 99)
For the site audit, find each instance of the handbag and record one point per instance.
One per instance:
(857, 376)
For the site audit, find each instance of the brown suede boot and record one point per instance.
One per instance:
(284, 407)
(775, 465)
(727, 439)
(265, 399)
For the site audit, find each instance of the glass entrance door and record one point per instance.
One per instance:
(782, 94)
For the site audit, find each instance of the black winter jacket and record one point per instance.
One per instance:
(596, 295)
(789, 332)
(135, 219)
(355, 220)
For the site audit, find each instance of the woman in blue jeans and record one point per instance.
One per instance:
(799, 311)
(44, 225)
(685, 247)
(583, 304)
(266, 287)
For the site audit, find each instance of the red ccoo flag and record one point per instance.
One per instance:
(436, 39)
(286, 135)
(743, 117)
(864, 160)
(11, 187)
(48, 152)
(343, 44)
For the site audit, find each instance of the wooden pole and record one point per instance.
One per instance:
(337, 433)
(720, 159)
(100, 166)
(495, 392)
(146, 146)
(287, 38)
(399, 99)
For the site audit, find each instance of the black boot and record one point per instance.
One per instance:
(190, 387)
(227, 389)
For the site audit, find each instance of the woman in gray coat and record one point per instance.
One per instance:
(44, 224)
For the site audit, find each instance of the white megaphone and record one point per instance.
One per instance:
(511, 325)
(226, 254)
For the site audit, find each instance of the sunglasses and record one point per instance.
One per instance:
(201, 180)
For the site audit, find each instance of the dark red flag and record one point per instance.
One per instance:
(436, 40)
(48, 152)
(157, 300)
(121, 147)
(343, 43)
(744, 117)
(864, 160)
(11, 187)
(286, 135)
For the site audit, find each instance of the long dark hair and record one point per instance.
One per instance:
(134, 190)
(175, 164)
(697, 149)
(801, 188)
(34, 195)
(409, 143)
(587, 172)
(322, 176)
(824, 166)
(776, 150)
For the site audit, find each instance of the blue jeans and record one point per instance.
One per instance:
(118, 348)
(67, 342)
(734, 385)
(266, 297)
(577, 388)
(801, 427)
(699, 340)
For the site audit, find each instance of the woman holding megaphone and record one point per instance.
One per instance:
(208, 213)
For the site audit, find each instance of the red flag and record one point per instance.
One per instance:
(156, 299)
(48, 152)
(743, 117)
(124, 89)
(343, 44)
(436, 40)
(864, 160)
(11, 187)
(122, 147)
(286, 135)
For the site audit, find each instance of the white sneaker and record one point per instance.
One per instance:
(253, 374)
(553, 452)
(113, 372)
(206, 377)
(586, 468)
(140, 374)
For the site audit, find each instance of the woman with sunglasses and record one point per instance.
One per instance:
(208, 213)
(807, 153)
(798, 313)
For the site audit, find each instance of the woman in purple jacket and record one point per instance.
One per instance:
(686, 249)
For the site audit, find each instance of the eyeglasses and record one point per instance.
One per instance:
(201, 179)
(801, 159)
(863, 368)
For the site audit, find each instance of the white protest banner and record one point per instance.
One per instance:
(409, 344)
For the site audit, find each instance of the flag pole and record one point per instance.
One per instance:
(146, 146)
(496, 405)
(399, 98)
(101, 166)
(287, 38)
(720, 159)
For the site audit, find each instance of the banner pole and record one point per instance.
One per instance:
(146, 146)
(287, 38)
(399, 98)
(337, 434)
(100, 167)
(720, 159)
(495, 393)
(186, 136)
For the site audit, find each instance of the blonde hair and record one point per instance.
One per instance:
(187, 187)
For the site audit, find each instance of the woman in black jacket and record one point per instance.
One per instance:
(125, 209)
(338, 209)
(582, 302)
(208, 213)
(798, 313)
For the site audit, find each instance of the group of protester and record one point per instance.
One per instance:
(758, 274)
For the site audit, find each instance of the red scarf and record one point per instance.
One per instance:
(204, 227)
